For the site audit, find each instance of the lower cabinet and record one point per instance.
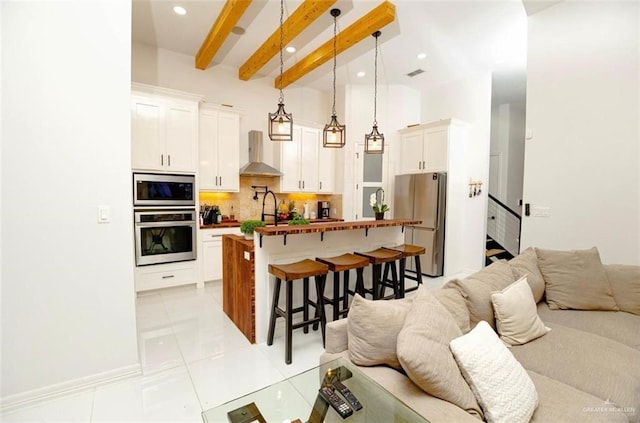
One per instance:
(210, 252)
(165, 275)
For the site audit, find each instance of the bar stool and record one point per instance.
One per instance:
(303, 269)
(407, 251)
(344, 264)
(377, 258)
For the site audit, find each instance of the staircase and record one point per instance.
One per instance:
(494, 252)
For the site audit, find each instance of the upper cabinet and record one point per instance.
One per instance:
(219, 150)
(425, 148)
(164, 130)
(306, 167)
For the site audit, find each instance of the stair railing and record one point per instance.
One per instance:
(508, 225)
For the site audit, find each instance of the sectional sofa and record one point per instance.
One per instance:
(550, 336)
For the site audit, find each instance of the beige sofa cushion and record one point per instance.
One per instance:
(477, 288)
(373, 328)
(423, 351)
(501, 385)
(527, 263)
(616, 325)
(575, 279)
(453, 301)
(598, 366)
(625, 284)
(517, 318)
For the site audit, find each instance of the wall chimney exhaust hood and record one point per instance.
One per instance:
(256, 167)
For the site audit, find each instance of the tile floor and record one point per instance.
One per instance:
(193, 358)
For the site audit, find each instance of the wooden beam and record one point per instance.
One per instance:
(354, 33)
(298, 21)
(220, 30)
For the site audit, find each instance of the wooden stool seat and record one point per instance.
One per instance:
(299, 270)
(344, 263)
(288, 273)
(407, 251)
(377, 258)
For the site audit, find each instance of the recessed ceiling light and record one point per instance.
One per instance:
(179, 10)
(238, 30)
(360, 74)
(422, 56)
(290, 49)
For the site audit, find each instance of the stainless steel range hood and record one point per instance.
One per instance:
(256, 167)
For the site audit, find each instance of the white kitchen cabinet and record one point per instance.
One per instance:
(326, 169)
(425, 148)
(298, 160)
(219, 140)
(211, 252)
(164, 130)
(165, 275)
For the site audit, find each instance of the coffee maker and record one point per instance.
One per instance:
(323, 209)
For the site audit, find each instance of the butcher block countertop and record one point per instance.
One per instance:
(332, 226)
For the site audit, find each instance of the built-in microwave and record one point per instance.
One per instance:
(165, 190)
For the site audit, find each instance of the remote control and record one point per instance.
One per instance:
(348, 395)
(336, 402)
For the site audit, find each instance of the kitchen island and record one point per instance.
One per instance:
(287, 244)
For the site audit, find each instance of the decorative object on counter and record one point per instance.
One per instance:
(298, 220)
(210, 214)
(287, 211)
(334, 134)
(281, 122)
(374, 142)
(378, 206)
(248, 226)
(306, 211)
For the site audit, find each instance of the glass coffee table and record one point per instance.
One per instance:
(298, 399)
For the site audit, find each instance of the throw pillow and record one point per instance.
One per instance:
(501, 385)
(477, 288)
(517, 317)
(625, 284)
(423, 351)
(372, 330)
(527, 263)
(575, 279)
(453, 301)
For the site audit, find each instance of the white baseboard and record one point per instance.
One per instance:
(70, 387)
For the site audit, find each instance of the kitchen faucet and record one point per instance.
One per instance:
(267, 191)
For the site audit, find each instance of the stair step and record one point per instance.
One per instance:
(494, 252)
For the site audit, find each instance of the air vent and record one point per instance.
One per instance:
(415, 72)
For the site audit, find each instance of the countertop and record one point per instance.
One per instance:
(236, 223)
(332, 226)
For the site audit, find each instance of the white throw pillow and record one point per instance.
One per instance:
(517, 319)
(501, 385)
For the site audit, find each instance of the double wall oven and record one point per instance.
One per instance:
(165, 218)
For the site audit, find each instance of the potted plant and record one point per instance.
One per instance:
(248, 226)
(379, 207)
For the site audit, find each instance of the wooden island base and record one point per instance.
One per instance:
(238, 287)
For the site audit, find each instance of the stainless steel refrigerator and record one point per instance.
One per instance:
(423, 197)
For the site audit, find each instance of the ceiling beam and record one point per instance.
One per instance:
(354, 33)
(220, 30)
(298, 21)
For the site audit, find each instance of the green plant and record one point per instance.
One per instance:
(298, 220)
(248, 226)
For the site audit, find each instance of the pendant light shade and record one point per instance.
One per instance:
(334, 134)
(281, 122)
(374, 141)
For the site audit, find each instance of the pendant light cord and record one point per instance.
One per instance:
(281, 99)
(375, 84)
(335, 23)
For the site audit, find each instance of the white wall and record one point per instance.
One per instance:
(583, 161)
(220, 85)
(468, 100)
(68, 302)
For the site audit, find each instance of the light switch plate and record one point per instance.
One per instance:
(103, 214)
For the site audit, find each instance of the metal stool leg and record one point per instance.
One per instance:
(418, 270)
(394, 278)
(345, 291)
(289, 314)
(335, 301)
(376, 281)
(305, 305)
(360, 281)
(274, 314)
(320, 281)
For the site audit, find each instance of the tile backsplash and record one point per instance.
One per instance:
(242, 206)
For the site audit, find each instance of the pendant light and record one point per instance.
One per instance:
(334, 134)
(374, 141)
(281, 122)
